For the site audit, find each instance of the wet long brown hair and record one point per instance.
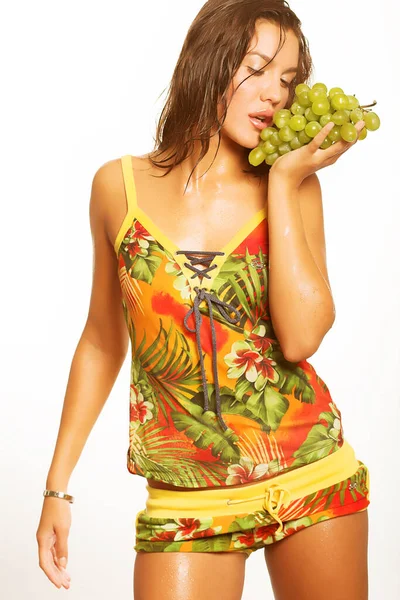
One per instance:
(213, 50)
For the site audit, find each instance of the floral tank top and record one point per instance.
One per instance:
(213, 402)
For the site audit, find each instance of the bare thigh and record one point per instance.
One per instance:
(327, 560)
(188, 575)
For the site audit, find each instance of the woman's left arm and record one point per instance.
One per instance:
(300, 298)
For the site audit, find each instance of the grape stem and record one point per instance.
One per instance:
(368, 105)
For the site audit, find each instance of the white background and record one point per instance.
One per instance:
(80, 82)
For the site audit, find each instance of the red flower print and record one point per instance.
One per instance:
(138, 240)
(140, 233)
(245, 539)
(265, 531)
(291, 530)
(242, 360)
(140, 409)
(163, 536)
(259, 340)
(245, 471)
(265, 367)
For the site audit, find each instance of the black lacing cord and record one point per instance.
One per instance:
(223, 307)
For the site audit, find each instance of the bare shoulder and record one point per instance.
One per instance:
(108, 180)
(108, 198)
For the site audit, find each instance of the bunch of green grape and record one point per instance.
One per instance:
(312, 109)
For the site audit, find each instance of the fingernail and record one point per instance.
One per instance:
(62, 561)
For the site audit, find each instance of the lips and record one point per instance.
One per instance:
(260, 124)
(266, 114)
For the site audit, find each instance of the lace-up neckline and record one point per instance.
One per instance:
(224, 308)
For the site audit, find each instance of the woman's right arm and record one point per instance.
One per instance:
(97, 360)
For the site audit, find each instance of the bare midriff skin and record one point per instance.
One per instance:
(192, 222)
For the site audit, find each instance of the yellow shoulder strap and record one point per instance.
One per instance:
(130, 192)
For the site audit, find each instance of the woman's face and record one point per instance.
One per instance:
(267, 90)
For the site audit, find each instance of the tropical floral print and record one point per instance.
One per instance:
(246, 532)
(280, 414)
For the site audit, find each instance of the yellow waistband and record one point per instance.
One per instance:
(268, 494)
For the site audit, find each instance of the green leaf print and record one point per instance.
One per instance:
(230, 267)
(328, 416)
(174, 547)
(205, 431)
(157, 547)
(293, 379)
(144, 268)
(246, 285)
(240, 283)
(317, 445)
(269, 406)
(160, 459)
(242, 523)
(218, 543)
(170, 372)
(242, 387)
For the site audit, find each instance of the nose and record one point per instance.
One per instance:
(271, 90)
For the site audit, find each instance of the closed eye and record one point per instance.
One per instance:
(260, 73)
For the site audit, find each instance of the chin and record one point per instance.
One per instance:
(248, 145)
(245, 142)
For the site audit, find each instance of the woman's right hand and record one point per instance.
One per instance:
(52, 537)
(295, 166)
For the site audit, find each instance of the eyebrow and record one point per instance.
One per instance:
(267, 59)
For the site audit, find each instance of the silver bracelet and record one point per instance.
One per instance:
(56, 494)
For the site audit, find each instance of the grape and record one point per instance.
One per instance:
(304, 138)
(320, 86)
(325, 119)
(352, 102)
(297, 123)
(317, 94)
(286, 133)
(321, 106)
(303, 99)
(275, 139)
(363, 134)
(334, 134)
(310, 115)
(301, 87)
(356, 115)
(295, 143)
(348, 132)
(256, 156)
(312, 128)
(340, 117)
(271, 158)
(267, 132)
(268, 147)
(326, 143)
(312, 109)
(297, 109)
(372, 121)
(282, 117)
(335, 90)
(339, 101)
(284, 148)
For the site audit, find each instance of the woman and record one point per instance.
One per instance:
(225, 294)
